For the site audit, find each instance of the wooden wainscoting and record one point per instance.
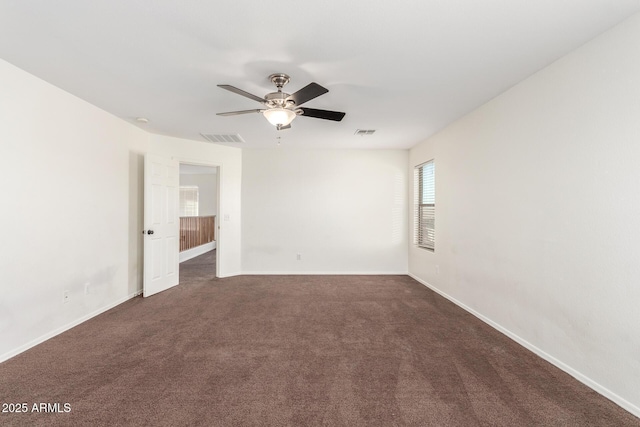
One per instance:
(196, 231)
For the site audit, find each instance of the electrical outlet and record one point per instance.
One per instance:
(437, 269)
(65, 297)
(86, 288)
(299, 257)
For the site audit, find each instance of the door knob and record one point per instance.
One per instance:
(149, 231)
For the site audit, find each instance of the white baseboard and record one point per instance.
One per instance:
(325, 273)
(232, 274)
(620, 401)
(197, 251)
(58, 331)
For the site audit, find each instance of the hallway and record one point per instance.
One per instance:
(200, 268)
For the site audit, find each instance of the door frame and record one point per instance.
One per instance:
(218, 233)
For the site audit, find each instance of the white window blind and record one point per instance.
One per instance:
(189, 201)
(425, 205)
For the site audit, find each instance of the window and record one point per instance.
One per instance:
(188, 200)
(425, 205)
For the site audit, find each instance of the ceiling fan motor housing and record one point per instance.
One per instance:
(278, 99)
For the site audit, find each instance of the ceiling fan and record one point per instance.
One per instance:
(282, 107)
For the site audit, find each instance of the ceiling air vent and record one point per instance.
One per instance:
(232, 138)
(363, 132)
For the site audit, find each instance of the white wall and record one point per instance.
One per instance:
(538, 213)
(229, 161)
(344, 211)
(71, 178)
(207, 191)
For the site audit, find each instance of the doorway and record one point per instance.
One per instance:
(199, 218)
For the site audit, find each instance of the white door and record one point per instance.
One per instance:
(162, 226)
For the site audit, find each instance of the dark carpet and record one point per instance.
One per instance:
(294, 351)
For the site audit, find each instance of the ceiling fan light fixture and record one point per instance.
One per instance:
(282, 108)
(279, 116)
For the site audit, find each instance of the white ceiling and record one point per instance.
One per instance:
(405, 69)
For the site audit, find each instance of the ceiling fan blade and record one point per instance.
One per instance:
(236, 113)
(307, 93)
(336, 116)
(242, 92)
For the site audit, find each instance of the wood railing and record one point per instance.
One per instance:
(196, 231)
